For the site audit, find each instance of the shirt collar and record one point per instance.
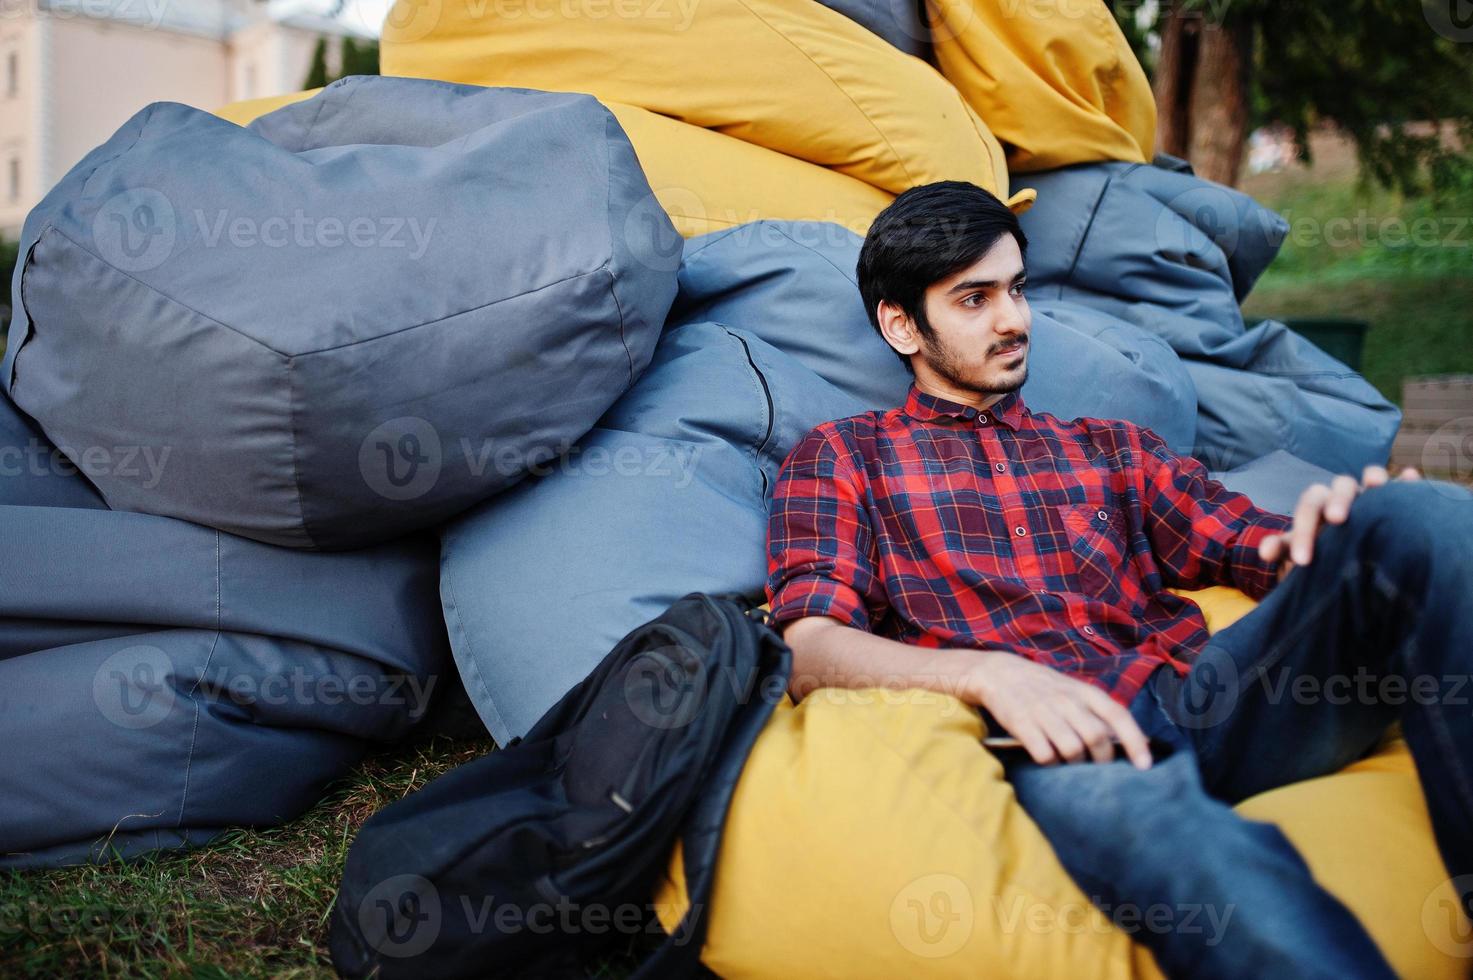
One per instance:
(924, 407)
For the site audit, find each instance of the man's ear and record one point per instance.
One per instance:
(898, 328)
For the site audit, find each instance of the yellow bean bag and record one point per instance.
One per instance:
(793, 77)
(705, 181)
(872, 836)
(1055, 80)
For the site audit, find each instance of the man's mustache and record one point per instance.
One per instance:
(1021, 341)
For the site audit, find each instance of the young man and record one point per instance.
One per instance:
(965, 544)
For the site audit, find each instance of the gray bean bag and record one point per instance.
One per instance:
(161, 681)
(1175, 255)
(666, 495)
(360, 315)
(1274, 482)
(901, 22)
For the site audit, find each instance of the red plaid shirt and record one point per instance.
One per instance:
(942, 526)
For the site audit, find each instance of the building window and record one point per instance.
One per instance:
(14, 178)
(12, 74)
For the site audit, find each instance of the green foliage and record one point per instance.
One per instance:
(356, 57)
(359, 57)
(1364, 252)
(1380, 70)
(1374, 68)
(9, 255)
(317, 74)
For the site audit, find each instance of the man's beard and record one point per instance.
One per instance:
(943, 361)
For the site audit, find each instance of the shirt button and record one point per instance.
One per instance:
(1089, 631)
(1019, 530)
(1000, 467)
(1102, 515)
(982, 418)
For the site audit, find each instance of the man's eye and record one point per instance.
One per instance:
(1017, 289)
(976, 299)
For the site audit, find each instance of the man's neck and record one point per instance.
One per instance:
(963, 396)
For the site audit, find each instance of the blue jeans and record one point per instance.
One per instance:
(1374, 631)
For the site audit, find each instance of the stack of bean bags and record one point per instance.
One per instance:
(161, 681)
(246, 370)
(556, 308)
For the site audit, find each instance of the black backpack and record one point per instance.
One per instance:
(529, 860)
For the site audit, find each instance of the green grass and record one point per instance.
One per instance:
(252, 904)
(1404, 265)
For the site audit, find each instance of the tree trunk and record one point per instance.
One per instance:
(1172, 83)
(1219, 101)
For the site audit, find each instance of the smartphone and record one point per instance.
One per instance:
(1007, 744)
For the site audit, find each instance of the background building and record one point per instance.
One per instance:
(72, 71)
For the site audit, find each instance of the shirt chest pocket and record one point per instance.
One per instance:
(1097, 547)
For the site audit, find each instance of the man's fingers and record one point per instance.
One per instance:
(1039, 749)
(1137, 747)
(1067, 743)
(1374, 476)
(1271, 548)
(1307, 523)
(1409, 473)
(1093, 731)
(1020, 725)
(1343, 491)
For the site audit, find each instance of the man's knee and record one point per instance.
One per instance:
(1411, 519)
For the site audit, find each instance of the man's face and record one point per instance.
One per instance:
(982, 325)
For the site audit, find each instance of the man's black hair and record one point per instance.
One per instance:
(926, 234)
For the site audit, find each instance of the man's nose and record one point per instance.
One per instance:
(1011, 319)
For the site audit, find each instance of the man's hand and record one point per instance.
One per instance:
(1055, 716)
(1320, 505)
